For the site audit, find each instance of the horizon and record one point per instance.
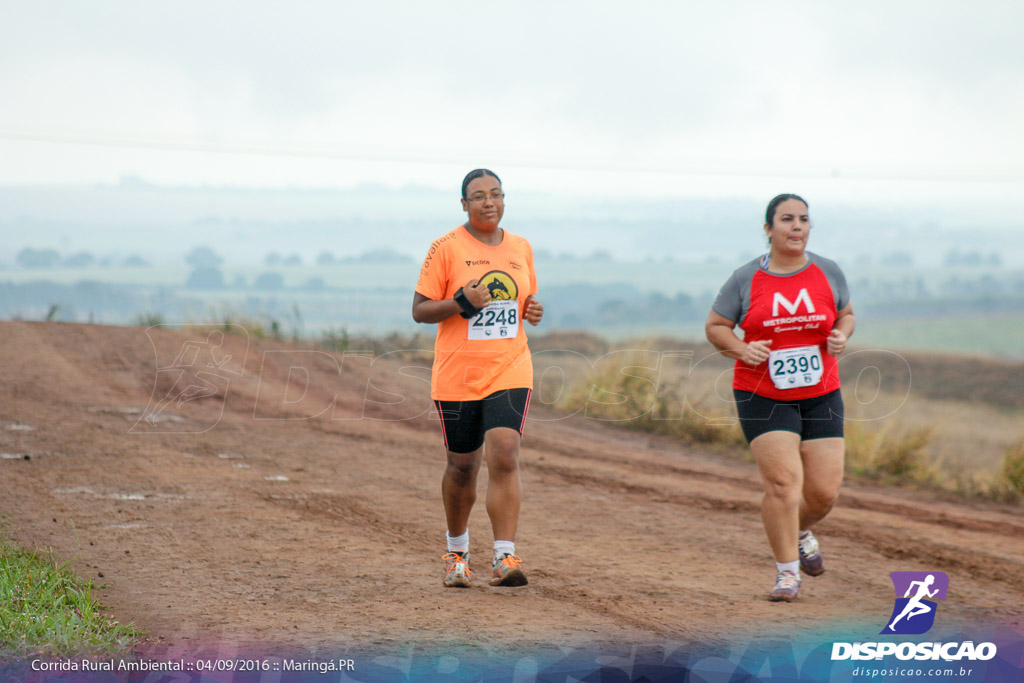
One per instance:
(136, 216)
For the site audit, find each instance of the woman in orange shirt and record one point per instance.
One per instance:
(477, 283)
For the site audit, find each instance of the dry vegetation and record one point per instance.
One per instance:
(947, 422)
(1013, 467)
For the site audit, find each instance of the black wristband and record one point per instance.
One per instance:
(468, 309)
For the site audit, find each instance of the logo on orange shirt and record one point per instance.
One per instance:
(501, 285)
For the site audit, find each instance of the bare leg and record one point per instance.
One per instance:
(504, 489)
(458, 489)
(823, 475)
(778, 458)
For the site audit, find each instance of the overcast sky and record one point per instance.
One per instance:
(919, 100)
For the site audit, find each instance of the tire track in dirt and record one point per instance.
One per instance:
(900, 546)
(1003, 527)
(891, 545)
(641, 464)
(642, 492)
(968, 520)
(589, 602)
(353, 511)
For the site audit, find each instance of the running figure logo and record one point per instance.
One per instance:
(914, 613)
(201, 369)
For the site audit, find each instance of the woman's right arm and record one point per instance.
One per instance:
(429, 311)
(426, 310)
(720, 332)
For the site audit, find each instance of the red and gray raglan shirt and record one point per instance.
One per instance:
(796, 311)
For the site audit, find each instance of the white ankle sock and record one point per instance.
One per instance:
(804, 533)
(458, 543)
(793, 566)
(502, 547)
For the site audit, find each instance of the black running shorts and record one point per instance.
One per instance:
(820, 417)
(464, 423)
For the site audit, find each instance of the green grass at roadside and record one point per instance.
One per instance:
(45, 610)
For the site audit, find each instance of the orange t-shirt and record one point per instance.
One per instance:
(477, 357)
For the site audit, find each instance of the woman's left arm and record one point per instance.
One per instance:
(533, 311)
(841, 330)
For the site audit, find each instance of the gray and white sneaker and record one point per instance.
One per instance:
(811, 561)
(787, 585)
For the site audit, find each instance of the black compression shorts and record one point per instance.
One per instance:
(820, 417)
(464, 423)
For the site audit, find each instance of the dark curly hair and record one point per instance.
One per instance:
(477, 173)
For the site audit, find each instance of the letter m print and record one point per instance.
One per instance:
(791, 306)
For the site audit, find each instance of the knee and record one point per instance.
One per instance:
(503, 457)
(783, 487)
(503, 464)
(462, 473)
(821, 500)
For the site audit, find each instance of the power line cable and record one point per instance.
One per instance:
(990, 175)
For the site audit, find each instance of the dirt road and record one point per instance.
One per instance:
(217, 495)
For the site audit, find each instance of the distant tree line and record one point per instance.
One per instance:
(900, 289)
(51, 258)
(85, 300)
(373, 256)
(589, 306)
(972, 258)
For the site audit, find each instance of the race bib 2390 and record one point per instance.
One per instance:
(799, 366)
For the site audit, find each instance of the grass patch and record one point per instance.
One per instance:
(633, 390)
(46, 610)
(234, 320)
(894, 453)
(1012, 472)
(416, 346)
(337, 341)
(148, 320)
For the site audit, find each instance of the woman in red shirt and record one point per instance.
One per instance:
(794, 309)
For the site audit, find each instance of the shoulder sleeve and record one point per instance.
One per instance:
(836, 280)
(729, 303)
(433, 280)
(733, 300)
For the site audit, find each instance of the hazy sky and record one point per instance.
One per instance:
(920, 100)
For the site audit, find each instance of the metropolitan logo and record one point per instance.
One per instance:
(781, 303)
(791, 306)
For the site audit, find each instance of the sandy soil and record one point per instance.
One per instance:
(264, 515)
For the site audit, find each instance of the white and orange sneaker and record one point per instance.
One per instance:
(456, 569)
(508, 571)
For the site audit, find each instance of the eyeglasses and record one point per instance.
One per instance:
(494, 197)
